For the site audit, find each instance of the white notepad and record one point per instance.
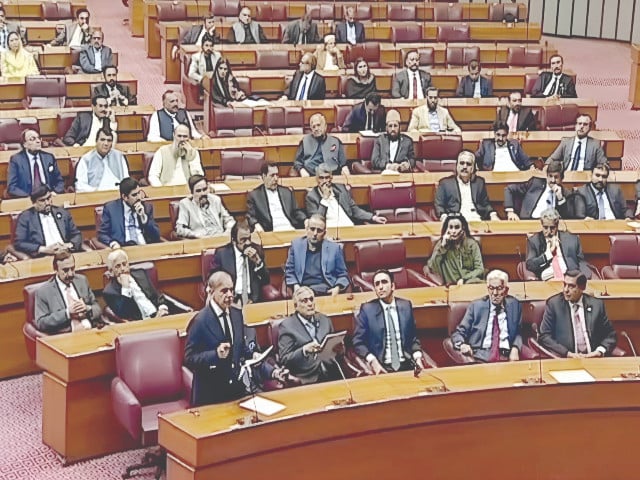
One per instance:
(262, 406)
(572, 376)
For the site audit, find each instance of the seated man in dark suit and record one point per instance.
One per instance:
(554, 83)
(317, 148)
(32, 167)
(306, 84)
(77, 33)
(350, 30)
(551, 253)
(474, 85)
(128, 221)
(299, 339)
(196, 33)
(603, 201)
(245, 30)
(95, 56)
(301, 31)
(315, 262)
(46, 229)
(368, 115)
(580, 152)
(393, 150)
(411, 82)
(334, 202)
(385, 332)
(490, 328)
(517, 117)
(501, 153)
(465, 184)
(272, 207)
(85, 123)
(539, 194)
(575, 324)
(66, 303)
(118, 94)
(242, 252)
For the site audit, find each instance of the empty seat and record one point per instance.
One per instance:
(559, 117)
(401, 12)
(171, 11)
(461, 56)
(624, 257)
(524, 56)
(272, 59)
(232, 122)
(57, 11)
(225, 8)
(361, 12)
(237, 165)
(453, 33)
(410, 33)
(396, 202)
(269, 12)
(369, 51)
(499, 12)
(320, 11)
(362, 165)
(284, 120)
(439, 152)
(10, 134)
(448, 12)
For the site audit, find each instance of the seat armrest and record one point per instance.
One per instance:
(97, 244)
(177, 303)
(427, 361)
(360, 169)
(454, 354)
(419, 280)
(360, 284)
(608, 273)
(527, 353)
(433, 277)
(544, 352)
(19, 255)
(187, 382)
(126, 408)
(271, 293)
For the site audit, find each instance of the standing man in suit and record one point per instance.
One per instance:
(315, 262)
(117, 93)
(334, 202)
(46, 229)
(217, 346)
(163, 122)
(411, 82)
(385, 332)
(490, 328)
(603, 201)
(517, 117)
(550, 253)
(202, 214)
(430, 117)
(244, 261)
(464, 192)
(128, 221)
(393, 150)
(175, 163)
(245, 31)
(350, 30)
(554, 83)
(317, 148)
(501, 153)
(474, 85)
(575, 324)
(368, 115)
(102, 168)
(306, 84)
(32, 167)
(77, 34)
(580, 152)
(65, 302)
(301, 31)
(96, 56)
(272, 207)
(299, 339)
(85, 125)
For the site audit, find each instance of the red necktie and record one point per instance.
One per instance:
(415, 85)
(37, 180)
(558, 274)
(494, 352)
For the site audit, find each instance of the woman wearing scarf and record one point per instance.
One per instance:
(225, 85)
(16, 62)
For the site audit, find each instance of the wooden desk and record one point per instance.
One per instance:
(55, 60)
(395, 425)
(32, 9)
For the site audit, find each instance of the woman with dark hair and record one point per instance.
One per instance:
(225, 85)
(362, 82)
(16, 61)
(456, 257)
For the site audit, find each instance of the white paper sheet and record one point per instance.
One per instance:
(572, 376)
(262, 405)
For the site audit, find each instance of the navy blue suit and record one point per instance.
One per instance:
(19, 178)
(357, 119)
(29, 235)
(370, 333)
(466, 87)
(112, 227)
(334, 269)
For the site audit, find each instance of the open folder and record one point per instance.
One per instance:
(331, 341)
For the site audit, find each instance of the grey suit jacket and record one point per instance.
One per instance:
(292, 337)
(593, 153)
(258, 208)
(292, 33)
(530, 193)
(198, 66)
(571, 251)
(400, 84)
(87, 59)
(448, 196)
(616, 200)
(381, 153)
(556, 329)
(50, 310)
(354, 212)
(190, 223)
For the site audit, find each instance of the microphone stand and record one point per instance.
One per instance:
(631, 375)
(524, 277)
(533, 380)
(343, 401)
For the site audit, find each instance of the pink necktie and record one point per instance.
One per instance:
(581, 343)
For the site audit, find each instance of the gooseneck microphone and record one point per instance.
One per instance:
(635, 375)
(524, 276)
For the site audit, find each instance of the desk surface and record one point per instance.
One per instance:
(21, 9)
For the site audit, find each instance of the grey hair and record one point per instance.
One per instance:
(550, 214)
(114, 256)
(323, 168)
(498, 275)
(299, 292)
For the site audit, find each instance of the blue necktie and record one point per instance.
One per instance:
(132, 228)
(601, 215)
(576, 157)
(303, 89)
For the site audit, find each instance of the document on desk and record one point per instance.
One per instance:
(330, 342)
(369, 133)
(262, 406)
(572, 376)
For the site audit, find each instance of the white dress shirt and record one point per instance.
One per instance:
(547, 273)
(336, 216)
(50, 230)
(410, 75)
(547, 90)
(502, 325)
(147, 309)
(242, 270)
(467, 207)
(280, 221)
(503, 161)
(351, 33)
(218, 311)
(608, 213)
(74, 295)
(393, 149)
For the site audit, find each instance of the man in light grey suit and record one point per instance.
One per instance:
(580, 152)
(402, 159)
(66, 302)
(203, 62)
(574, 324)
(96, 56)
(490, 328)
(411, 82)
(317, 147)
(299, 339)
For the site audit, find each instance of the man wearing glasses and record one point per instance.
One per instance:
(94, 58)
(490, 328)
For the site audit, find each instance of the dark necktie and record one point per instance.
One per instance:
(393, 341)
(207, 60)
(37, 180)
(369, 125)
(601, 213)
(227, 327)
(494, 352)
(576, 157)
(554, 87)
(304, 37)
(303, 89)
(415, 85)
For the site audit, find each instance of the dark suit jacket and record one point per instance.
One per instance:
(571, 251)
(473, 327)
(19, 179)
(341, 32)
(29, 236)
(225, 259)
(466, 87)
(87, 59)
(556, 329)
(593, 153)
(354, 212)
(617, 202)
(567, 87)
(334, 268)
(293, 335)
(530, 193)
(370, 333)
(191, 37)
(357, 119)
(80, 129)
(381, 154)
(126, 307)
(293, 30)
(486, 154)
(123, 89)
(316, 90)
(112, 227)
(258, 208)
(526, 118)
(448, 196)
(400, 85)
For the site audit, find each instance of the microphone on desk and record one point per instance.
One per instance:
(442, 388)
(345, 401)
(524, 276)
(632, 375)
(261, 132)
(539, 380)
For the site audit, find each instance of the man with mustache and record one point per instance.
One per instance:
(173, 164)
(603, 201)
(554, 83)
(430, 117)
(501, 153)
(517, 117)
(580, 152)
(393, 150)
(116, 93)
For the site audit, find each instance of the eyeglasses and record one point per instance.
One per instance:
(493, 289)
